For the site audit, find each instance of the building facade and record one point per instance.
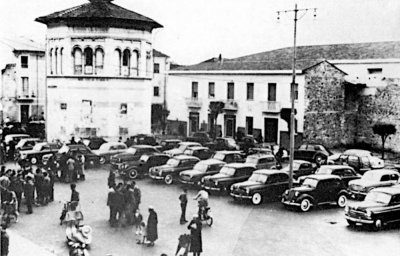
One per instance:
(99, 71)
(22, 81)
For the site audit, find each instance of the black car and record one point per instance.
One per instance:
(201, 169)
(315, 153)
(200, 137)
(132, 154)
(168, 144)
(228, 175)
(262, 184)
(346, 173)
(93, 143)
(316, 190)
(380, 207)
(141, 139)
(202, 153)
(230, 156)
(34, 156)
(139, 168)
(91, 159)
(301, 168)
(220, 144)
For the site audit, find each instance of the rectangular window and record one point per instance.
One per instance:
(123, 109)
(156, 68)
(156, 91)
(195, 90)
(271, 91)
(211, 90)
(250, 91)
(63, 106)
(296, 91)
(249, 125)
(24, 61)
(231, 91)
(25, 86)
(373, 71)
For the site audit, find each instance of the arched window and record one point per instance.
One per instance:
(61, 60)
(77, 53)
(99, 60)
(51, 61)
(126, 62)
(88, 60)
(117, 62)
(149, 64)
(56, 60)
(135, 62)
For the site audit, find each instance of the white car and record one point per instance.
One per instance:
(181, 148)
(360, 160)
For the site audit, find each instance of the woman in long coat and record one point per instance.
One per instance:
(152, 221)
(196, 244)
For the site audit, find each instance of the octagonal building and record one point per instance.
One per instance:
(99, 67)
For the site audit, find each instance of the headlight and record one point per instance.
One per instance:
(160, 173)
(286, 192)
(232, 188)
(368, 213)
(216, 183)
(297, 193)
(247, 191)
(203, 180)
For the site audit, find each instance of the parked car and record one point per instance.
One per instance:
(301, 168)
(109, 149)
(132, 154)
(346, 173)
(223, 144)
(200, 137)
(140, 168)
(93, 142)
(246, 143)
(181, 148)
(262, 184)
(229, 156)
(27, 144)
(34, 156)
(170, 171)
(316, 190)
(228, 175)
(360, 160)
(261, 161)
(315, 153)
(380, 207)
(372, 179)
(141, 139)
(202, 153)
(201, 169)
(91, 159)
(168, 144)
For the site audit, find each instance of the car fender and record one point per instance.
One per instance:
(304, 196)
(343, 191)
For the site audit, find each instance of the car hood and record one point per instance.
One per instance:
(218, 176)
(246, 184)
(164, 167)
(376, 162)
(124, 155)
(334, 157)
(30, 151)
(303, 189)
(174, 152)
(364, 205)
(364, 183)
(191, 173)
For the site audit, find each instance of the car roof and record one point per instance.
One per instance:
(270, 171)
(389, 190)
(172, 140)
(189, 143)
(323, 177)
(198, 148)
(261, 155)
(212, 161)
(239, 165)
(140, 146)
(181, 157)
(301, 161)
(30, 139)
(357, 152)
(337, 166)
(229, 152)
(156, 154)
(17, 135)
(114, 143)
(383, 171)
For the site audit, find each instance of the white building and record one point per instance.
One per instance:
(22, 94)
(99, 71)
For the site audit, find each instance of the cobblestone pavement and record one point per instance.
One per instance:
(239, 229)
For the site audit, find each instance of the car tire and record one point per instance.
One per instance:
(378, 224)
(256, 199)
(341, 200)
(102, 160)
(305, 205)
(168, 179)
(34, 160)
(132, 174)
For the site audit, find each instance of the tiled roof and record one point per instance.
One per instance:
(101, 12)
(159, 54)
(22, 44)
(281, 59)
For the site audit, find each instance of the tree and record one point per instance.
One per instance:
(215, 108)
(384, 130)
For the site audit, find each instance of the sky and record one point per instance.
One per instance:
(196, 30)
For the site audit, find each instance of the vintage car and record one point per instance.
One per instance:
(170, 171)
(380, 207)
(181, 148)
(141, 139)
(93, 142)
(132, 154)
(140, 168)
(261, 161)
(358, 189)
(34, 156)
(228, 175)
(262, 184)
(91, 159)
(220, 144)
(201, 169)
(199, 137)
(168, 144)
(346, 173)
(301, 168)
(27, 144)
(109, 149)
(316, 190)
(246, 143)
(202, 153)
(229, 156)
(314, 153)
(360, 160)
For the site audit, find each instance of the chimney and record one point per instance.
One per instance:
(220, 59)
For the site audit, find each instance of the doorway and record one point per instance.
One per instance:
(24, 114)
(271, 130)
(230, 125)
(194, 122)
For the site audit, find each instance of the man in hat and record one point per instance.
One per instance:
(183, 200)
(29, 193)
(152, 221)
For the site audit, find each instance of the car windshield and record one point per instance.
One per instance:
(324, 170)
(312, 183)
(257, 177)
(219, 156)
(229, 171)
(131, 150)
(144, 158)
(378, 197)
(182, 147)
(251, 160)
(200, 167)
(295, 167)
(37, 147)
(372, 176)
(173, 162)
(188, 152)
(63, 149)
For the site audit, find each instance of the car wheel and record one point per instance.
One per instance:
(102, 160)
(342, 200)
(132, 174)
(319, 159)
(33, 160)
(168, 179)
(256, 199)
(305, 205)
(378, 224)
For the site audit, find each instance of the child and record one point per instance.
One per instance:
(137, 220)
(142, 233)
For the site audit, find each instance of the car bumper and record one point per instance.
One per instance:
(290, 203)
(189, 182)
(211, 188)
(238, 196)
(156, 177)
(363, 221)
(117, 166)
(359, 196)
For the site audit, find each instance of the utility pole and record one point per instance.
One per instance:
(292, 87)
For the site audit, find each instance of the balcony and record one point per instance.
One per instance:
(270, 106)
(194, 102)
(231, 105)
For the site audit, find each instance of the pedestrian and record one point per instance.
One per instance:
(278, 157)
(46, 187)
(38, 181)
(2, 154)
(111, 179)
(137, 219)
(11, 150)
(81, 168)
(17, 185)
(183, 200)
(74, 193)
(152, 222)
(142, 233)
(120, 204)
(63, 166)
(4, 240)
(137, 194)
(70, 169)
(112, 204)
(29, 193)
(196, 245)
(52, 177)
